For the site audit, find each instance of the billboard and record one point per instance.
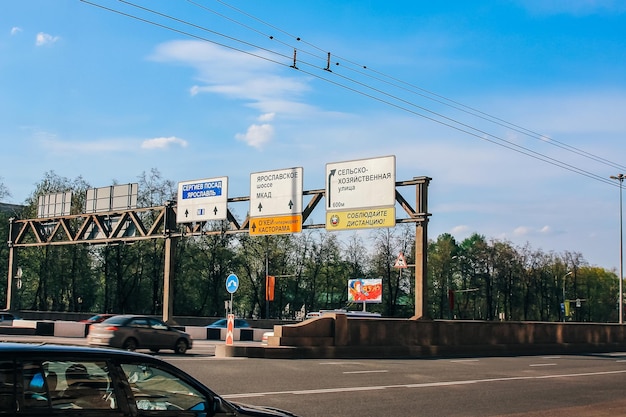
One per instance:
(57, 204)
(365, 290)
(111, 198)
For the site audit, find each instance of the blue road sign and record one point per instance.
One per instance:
(232, 283)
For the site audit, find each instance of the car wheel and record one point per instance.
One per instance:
(155, 350)
(130, 344)
(181, 346)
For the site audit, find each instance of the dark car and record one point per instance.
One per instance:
(98, 318)
(53, 380)
(6, 318)
(222, 323)
(132, 332)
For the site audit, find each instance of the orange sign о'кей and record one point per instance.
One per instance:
(276, 225)
(365, 290)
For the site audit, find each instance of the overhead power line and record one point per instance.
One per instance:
(375, 93)
(431, 95)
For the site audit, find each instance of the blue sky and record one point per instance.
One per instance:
(515, 109)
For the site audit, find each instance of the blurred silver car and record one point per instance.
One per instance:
(131, 332)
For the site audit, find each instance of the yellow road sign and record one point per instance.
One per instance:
(275, 225)
(361, 219)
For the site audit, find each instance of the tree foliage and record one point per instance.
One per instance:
(473, 279)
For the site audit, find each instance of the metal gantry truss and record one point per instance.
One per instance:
(128, 226)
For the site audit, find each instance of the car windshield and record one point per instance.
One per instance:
(158, 389)
(116, 320)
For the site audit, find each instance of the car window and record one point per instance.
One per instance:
(139, 322)
(7, 383)
(116, 320)
(156, 324)
(158, 389)
(68, 385)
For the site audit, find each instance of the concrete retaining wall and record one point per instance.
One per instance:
(336, 336)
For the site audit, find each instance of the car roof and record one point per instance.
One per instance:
(131, 316)
(7, 348)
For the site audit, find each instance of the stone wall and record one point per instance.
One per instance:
(336, 335)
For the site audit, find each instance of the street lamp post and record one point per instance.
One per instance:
(620, 178)
(564, 278)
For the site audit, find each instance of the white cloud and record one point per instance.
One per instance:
(527, 231)
(15, 30)
(162, 143)
(237, 75)
(45, 39)
(267, 117)
(112, 145)
(460, 230)
(257, 135)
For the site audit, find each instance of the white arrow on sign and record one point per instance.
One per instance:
(232, 283)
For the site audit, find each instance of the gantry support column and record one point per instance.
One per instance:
(421, 249)
(12, 265)
(169, 262)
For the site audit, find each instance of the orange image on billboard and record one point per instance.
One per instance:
(365, 290)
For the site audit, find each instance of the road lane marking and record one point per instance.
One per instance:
(341, 363)
(464, 360)
(366, 372)
(542, 364)
(421, 385)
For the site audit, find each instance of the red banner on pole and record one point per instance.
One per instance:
(270, 280)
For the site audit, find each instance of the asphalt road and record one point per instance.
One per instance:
(590, 385)
(578, 385)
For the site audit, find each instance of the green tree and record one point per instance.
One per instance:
(4, 191)
(442, 260)
(57, 277)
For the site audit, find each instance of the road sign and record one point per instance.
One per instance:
(275, 225)
(400, 261)
(202, 200)
(274, 193)
(232, 283)
(361, 219)
(361, 184)
(230, 325)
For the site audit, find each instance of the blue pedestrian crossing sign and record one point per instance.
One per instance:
(232, 283)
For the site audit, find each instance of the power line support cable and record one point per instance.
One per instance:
(295, 53)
